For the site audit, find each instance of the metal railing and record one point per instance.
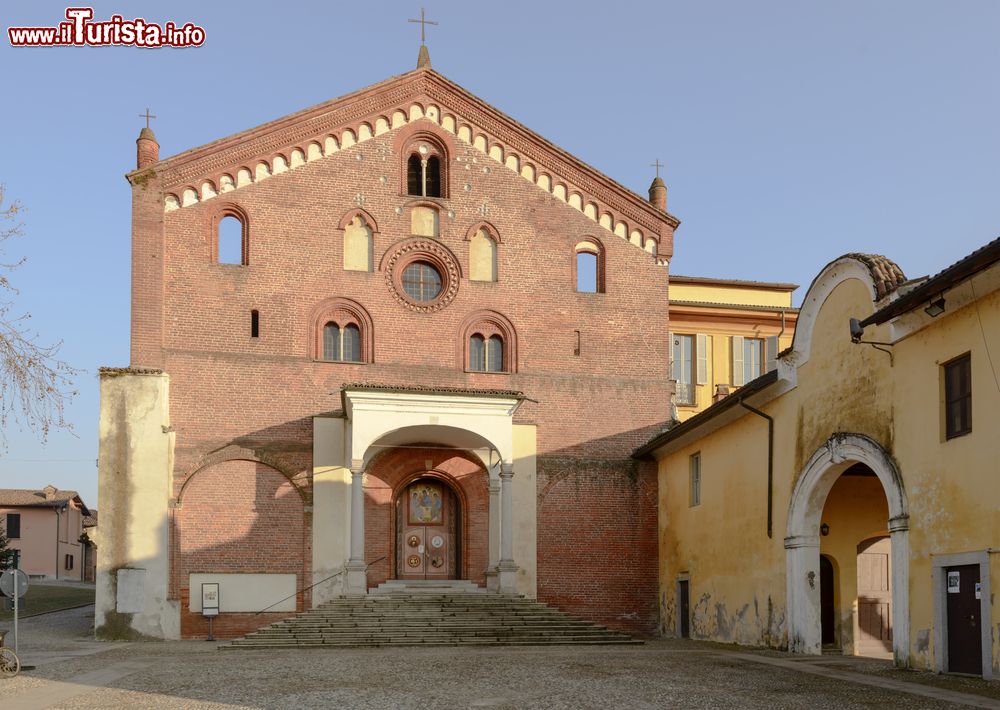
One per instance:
(316, 584)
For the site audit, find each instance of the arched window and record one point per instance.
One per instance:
(494, 354)
(424, 164)
(488, 343)
(414, 176)
(482, 257)
(230, 240)
(589, 267)
(341, 331)
(341, 344)
(486, 354)
(477, 353)
(432, 178)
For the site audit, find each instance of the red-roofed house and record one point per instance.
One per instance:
(46, 529)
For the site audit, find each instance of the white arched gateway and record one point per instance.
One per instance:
(802, 539)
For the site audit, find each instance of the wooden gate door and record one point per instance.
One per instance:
(874, 598)
(965, 641)
(426, 522)
(685, 608)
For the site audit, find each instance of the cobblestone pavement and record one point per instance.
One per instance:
(75, 672)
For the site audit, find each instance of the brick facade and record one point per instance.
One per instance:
(237, 397)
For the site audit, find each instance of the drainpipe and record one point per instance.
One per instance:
(770, 461)
(57, 542)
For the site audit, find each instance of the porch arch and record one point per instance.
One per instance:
(802, 539)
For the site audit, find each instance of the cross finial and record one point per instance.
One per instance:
(147, 116)
(423, 23)
(656, 164)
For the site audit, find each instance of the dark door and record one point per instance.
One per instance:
(685, 609)
(965, 641)
(827, 614)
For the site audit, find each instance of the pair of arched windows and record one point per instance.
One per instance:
(486, 353)
(341, 344)
(423, 173)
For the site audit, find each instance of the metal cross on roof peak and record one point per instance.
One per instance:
(656, 164)
(423, 23)
(147, 116)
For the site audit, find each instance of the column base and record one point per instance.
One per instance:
(356, 583)
(507, 577)
(493, 579)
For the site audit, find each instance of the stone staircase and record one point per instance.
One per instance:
(450, 613)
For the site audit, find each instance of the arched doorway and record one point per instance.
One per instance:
(827, 601)
(428, 530)
(802, 542)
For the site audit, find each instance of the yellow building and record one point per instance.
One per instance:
(724, 333)
(850, 497)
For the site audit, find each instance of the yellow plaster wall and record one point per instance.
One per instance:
(855, 510)
(952, 486)
(736, 295)
(424, 221)
(525, 499)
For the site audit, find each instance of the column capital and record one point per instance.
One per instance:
(899, 524)
(801, 541)
(357, 465)
(495, 487)
(506, 470)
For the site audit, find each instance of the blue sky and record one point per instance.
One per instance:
(791, 131)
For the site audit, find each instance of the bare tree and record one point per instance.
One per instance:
(35, 385)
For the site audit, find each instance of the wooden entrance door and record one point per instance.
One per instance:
(965, 641)
(874, 598)
(427, 520)
(684, 604)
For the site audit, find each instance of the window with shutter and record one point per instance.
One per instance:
(772, 353)
(13, 526)
(701, 353)
(737, 346)
(683, 368)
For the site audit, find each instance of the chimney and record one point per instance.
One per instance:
(658, 193)
(721, 392)
(49, 491)
(146, 148)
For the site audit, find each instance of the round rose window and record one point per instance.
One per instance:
(421, 281)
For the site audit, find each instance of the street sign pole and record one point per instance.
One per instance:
(15, 617)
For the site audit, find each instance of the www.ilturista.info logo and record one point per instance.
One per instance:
(80, 31)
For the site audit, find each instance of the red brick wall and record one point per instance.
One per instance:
(597, 540)
(229, 390)
(237, 517)
(391, 472)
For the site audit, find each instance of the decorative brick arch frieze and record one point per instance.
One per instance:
(405, 252)
(343, 312)
(215, 217)
(487, 323)
(358, 212)
(420, 103)
(240, 453)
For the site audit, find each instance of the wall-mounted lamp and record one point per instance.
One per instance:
(935, 307)
(858, 332)
(824, 529)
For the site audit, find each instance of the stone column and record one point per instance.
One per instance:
(357, 575)
(506, 567)
(802, 611)
(899, 536)
(492, 571)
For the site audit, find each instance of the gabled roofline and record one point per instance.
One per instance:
(963, 269)
(186, 166)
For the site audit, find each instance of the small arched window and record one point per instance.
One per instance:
(414, 176)
(424, 162)
(358, 245)
(432, 178)
(589, 267)
(423, 175)
(488, 343)
(494, 354)
(477, 353)
(341, 344)
(230, 240)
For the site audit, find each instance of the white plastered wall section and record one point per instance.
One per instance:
(135, 461)
(375, 420)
